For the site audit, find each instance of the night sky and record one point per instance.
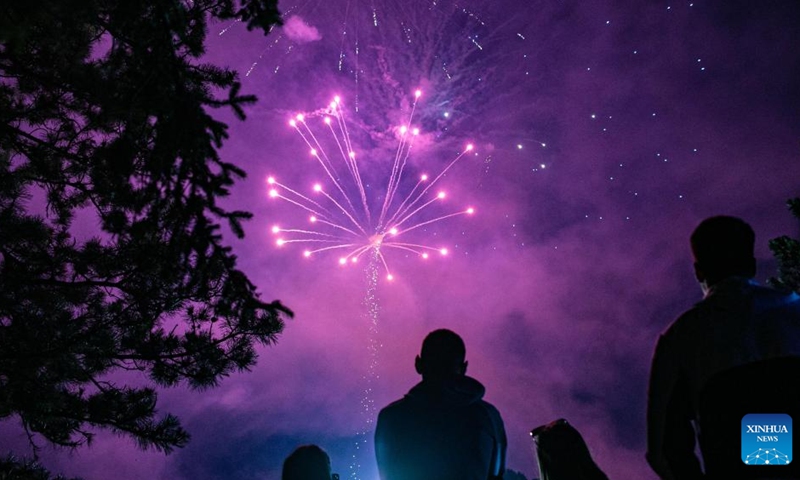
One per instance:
(604, 132)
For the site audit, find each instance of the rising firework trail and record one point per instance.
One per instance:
(345, 217)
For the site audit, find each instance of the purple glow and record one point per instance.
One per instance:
(602, 132)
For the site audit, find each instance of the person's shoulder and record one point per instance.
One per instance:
(747, 295)
(494, 413)
(488, 406)
(686, 320)
(396, 408)
(493, 420)
(776, 297)
(396, 404)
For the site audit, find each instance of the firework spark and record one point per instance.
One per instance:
(452, 43)
(349, 217)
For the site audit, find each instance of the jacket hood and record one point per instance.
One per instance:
(457, 391)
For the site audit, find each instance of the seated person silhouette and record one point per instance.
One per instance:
(442, 429)
(308, 462)
(562, 453)
(737, 352)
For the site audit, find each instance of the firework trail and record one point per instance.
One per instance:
(368, 411)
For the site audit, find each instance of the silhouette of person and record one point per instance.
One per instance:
(718, 361)
(308, 462)
(442, 429)
(563, 454)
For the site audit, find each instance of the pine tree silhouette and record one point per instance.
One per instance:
(105, 115)
(787, 251)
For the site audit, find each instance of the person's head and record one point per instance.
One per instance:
(308, 462)
(723, 247)
(442, 355)
(563, 454)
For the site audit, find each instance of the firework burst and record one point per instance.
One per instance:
(350, 217)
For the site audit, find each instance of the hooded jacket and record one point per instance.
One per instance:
(441, 430)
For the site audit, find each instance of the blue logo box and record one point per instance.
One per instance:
(767, 439)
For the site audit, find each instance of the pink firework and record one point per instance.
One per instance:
(343, 217)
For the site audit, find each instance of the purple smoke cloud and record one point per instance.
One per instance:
(299, 31)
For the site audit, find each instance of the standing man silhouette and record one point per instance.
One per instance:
(442, 429)
(730, 355)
